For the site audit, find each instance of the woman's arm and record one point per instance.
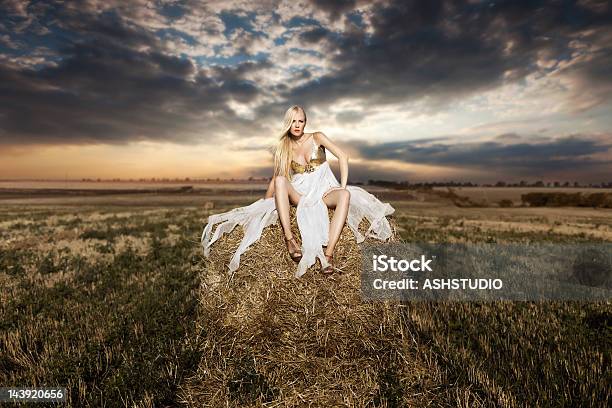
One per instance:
(343, 158)
(270, 192)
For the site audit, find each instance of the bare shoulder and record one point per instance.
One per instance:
(322, 140)
(318, 136)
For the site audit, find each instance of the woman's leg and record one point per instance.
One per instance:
(338, 199)
(283, 192)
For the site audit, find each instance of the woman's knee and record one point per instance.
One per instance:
(345, 195)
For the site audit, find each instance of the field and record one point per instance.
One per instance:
(102, 294)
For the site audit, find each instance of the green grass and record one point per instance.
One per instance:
(118, 330)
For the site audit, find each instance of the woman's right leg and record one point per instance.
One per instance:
(284, 193)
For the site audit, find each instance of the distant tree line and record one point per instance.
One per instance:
(522, 183)
(595, 200)
(382, 183)
(179, 180)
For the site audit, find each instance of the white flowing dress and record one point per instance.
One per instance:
(312, 217)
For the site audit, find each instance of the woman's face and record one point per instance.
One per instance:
(297, 126)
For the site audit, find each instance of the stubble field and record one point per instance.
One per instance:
(102, 295)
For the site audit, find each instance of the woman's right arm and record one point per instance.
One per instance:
(270, 192)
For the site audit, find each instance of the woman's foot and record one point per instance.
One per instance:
(329, 269)
(294, 249)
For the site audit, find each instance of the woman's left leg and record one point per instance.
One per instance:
(338, 199)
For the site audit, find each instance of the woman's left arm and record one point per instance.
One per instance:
(343, 158)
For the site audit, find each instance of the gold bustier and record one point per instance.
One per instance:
(317, 158)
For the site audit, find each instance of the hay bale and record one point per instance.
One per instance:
(270, 337)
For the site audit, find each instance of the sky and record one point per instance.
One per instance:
(475, 91)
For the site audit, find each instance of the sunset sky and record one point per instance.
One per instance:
(467, 91)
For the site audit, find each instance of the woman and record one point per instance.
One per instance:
(302, 177)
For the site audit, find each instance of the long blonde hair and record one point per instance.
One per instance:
(283, 151)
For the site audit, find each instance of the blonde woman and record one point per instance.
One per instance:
(298, 154)
(303, 177)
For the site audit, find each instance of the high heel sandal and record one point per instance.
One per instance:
(294, 252)
(329, 269)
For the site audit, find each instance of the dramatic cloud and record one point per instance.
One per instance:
(210, 73)
(441, 51)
